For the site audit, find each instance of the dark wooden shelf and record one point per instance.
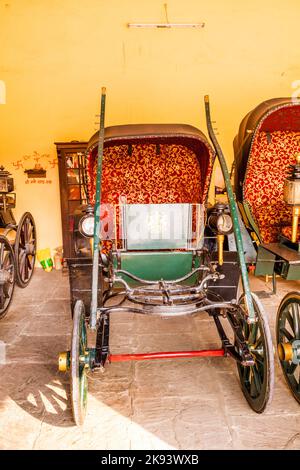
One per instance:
(72, 152)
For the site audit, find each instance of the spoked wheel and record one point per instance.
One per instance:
(257, 380)
(288, 335)
(7, 275)
(78, 368)
(25, 249)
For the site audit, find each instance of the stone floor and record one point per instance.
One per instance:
(170, 404)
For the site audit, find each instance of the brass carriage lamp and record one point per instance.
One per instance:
(291, 195)
(6, 181)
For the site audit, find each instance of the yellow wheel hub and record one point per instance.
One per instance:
(64, 361)
(285, 351)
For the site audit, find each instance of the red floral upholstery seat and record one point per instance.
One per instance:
(268, 166)
(145, 174)
(287, 232)
(150, 173)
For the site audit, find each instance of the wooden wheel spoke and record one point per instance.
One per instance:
(2, 297)
(30, 231)
(246, 374)
(259, 342)
(29, 262)
(6, 290)
(253, 389)
(284, 332)
(253, 331)
(25, 230)
(256, 380)
(22, 254)
(22, 236)
(26, 274)
(290, 320)
(1, 255)
(258, 356)
(291, 369)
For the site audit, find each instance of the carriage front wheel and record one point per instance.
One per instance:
(78, 364)
(257, 380)
(288, 341)
(25, 249)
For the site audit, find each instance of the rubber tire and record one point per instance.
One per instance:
(78, 405)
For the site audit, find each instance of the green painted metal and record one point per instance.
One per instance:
(95, 275)
(251, 220)
(265, 262)
(234, 214)
(82, 377)
(90, 357)
(290, 272)
(153, 266)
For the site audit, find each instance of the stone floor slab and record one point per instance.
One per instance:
(170, 404)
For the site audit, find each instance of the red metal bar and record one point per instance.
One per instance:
(165, 355)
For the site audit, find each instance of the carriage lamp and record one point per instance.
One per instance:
(220, 223)
(87, 223)
(291, 195)
(6, 181)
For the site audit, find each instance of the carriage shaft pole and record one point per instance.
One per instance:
(234, 214)
(96, 239)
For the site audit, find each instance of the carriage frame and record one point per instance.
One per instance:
(251, 346)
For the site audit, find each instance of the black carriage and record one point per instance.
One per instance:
(267, 185)
(152, 245)
(17, 244)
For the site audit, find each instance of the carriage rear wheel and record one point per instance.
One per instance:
(7, 275)
(287, 333)
(257, 380)
(25, 249)
(78, 366)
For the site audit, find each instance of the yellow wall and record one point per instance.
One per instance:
(56, 54)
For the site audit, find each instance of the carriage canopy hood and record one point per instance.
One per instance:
(148, 148)
(277, 114)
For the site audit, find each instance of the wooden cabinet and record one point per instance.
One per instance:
(71, 162)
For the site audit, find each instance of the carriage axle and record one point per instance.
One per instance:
(88, 359)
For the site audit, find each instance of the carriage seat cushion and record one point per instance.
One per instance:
(271, 219)
(268, 166)
(147, 174)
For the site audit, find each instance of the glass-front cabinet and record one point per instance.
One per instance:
(72, 188)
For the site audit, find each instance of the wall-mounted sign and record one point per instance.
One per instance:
(37, 172)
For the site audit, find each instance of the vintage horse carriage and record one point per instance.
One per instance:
(267, 187)
(17, 244)
(158, 248)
